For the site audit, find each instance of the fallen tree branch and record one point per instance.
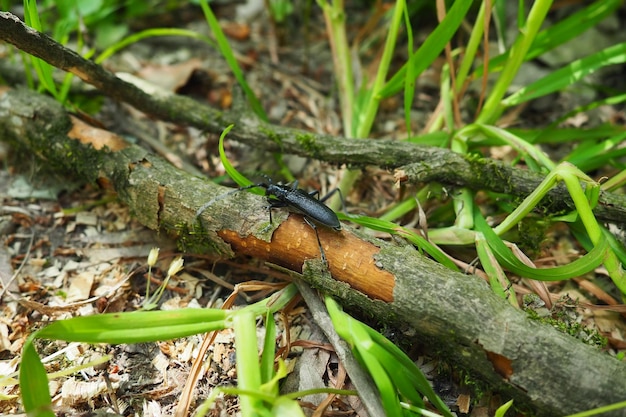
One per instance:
(455, 314)
(420, 163)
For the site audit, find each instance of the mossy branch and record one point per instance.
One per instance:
(420, 163)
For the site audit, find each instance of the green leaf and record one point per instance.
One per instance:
(409, 82)
(520, 145)
(579, 232)
(389, 367)
(110, 32)
(386, 388)
(42, 68)
(438, 138)
(150, 33)
(365, 115)
(493, 107)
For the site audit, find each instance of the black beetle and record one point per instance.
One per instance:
(297, 200)
(300, 201)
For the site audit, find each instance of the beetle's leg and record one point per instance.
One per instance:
(310, 223)
(330, 194)
(272, 204)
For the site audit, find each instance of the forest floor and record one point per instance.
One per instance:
(71, 248)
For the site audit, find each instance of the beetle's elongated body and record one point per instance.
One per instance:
(279, 195)
(302, 202)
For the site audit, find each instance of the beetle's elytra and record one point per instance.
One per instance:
(302, 202)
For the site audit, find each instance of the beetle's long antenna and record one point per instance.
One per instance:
(221, 197)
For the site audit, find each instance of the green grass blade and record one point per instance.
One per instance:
(520, 145)
(400, 209)
(136, 327)
(149, 33)
(389, 367)
(447, 98)
(399, 379)
(590, 155)
(431, 48)
(273, 303)
(498, 280)
(569, 74)
(42, 68)
(551, 135)
(501, 411)
(600, 410)
(235, 175)
(608, 101)
(499, 19)
(269, 350)
(578, 267)
(412, 372)
(368, 113)
(493, 107)
(335, 18)
(229, 56)
(572, 26)
(241, 180)
(248, 371)
(386, 388)
(438, 138)
(272, 386)
(286, 407)
(579, 232)
(434, 251)
(409, 82)
(560, 33)
(469, 55)
(34, 382)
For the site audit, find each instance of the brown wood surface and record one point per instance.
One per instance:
(350, 259)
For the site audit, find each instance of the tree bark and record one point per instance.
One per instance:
(456, 314)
